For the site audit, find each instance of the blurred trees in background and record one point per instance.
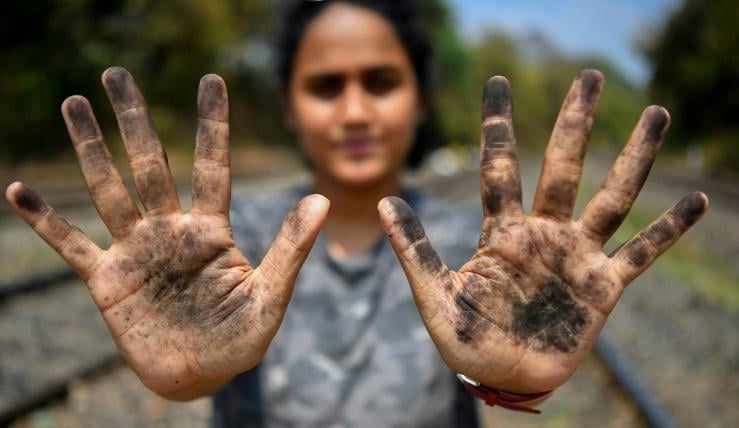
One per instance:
(52, 49)
(696, 76)
(540, 76)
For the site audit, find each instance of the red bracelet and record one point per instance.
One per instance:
(496, 397)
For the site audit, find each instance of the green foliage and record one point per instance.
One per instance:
(696, 76)
(708, 271)
(51, 50)
(620, 106)
(540, 77)
(40, 43)
(457, 111)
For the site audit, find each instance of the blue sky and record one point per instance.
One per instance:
(609, 28)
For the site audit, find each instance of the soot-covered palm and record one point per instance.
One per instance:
(189, 312)
(522, 314)
(185, 307)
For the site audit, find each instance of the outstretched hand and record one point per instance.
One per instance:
(184, 306)
(523, 313)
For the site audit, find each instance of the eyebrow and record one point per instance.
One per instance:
(384, 68)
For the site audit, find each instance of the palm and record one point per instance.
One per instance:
(537, 294)
(522, 314)
(182, 303)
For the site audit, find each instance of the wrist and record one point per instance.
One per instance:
(186, 390)
(193, 391)
(522, 402)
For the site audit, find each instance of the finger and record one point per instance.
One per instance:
(560, 175)
(632, 258)
(67, 240)
(211, 180)
(427, 274)
(284, 258)
(500, 179)
(608, 208)
(145, 154)
(117, 210)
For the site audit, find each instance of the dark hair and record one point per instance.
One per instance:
(405, 18)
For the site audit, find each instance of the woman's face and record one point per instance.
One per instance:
(353, 97)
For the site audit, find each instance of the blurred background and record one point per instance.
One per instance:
(677, 325)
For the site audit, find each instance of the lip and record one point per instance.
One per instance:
(357, 147)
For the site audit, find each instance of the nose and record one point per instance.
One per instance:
(356, 105)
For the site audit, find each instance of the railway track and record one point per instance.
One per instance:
(56, 339)
(53, 345)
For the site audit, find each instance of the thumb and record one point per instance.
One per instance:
(292, 245)
(428, 276)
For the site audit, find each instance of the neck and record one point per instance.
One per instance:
(353, 225)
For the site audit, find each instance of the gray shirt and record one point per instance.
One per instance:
(352, 349)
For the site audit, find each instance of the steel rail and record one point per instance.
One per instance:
(625, 372)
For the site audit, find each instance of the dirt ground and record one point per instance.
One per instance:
(683, 344)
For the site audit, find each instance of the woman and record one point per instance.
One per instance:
(190, 313)
(352, 349)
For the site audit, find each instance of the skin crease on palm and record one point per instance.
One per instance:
(189, 312)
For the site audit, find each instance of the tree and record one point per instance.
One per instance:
(540, 75)
(50, 50)
(696, 76)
